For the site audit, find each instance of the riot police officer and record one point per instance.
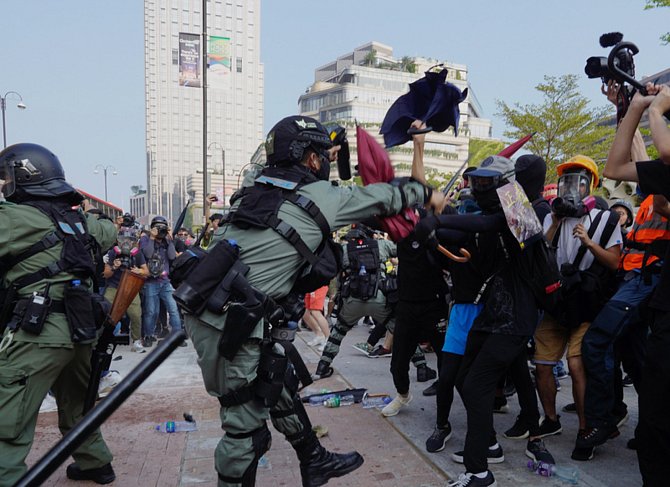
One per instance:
(47, 268)
(279, 224)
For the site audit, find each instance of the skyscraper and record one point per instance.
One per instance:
(173, 94)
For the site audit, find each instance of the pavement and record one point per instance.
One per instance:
(393, 448)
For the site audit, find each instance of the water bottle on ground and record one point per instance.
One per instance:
(362, 271)
(263, 462)
(320, 399)
(567, 474)
(176, 426)
(337, 401)
(378, 401)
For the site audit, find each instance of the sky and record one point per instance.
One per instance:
(79, 64)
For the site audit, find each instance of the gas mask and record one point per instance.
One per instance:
(574, 199)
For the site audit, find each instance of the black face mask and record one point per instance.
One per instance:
(324, 170)
(488, 201)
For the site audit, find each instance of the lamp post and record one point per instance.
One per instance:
(104, 171)
(223, 166)
(3, 107)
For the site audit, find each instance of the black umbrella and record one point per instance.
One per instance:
(431, 100)
(180, 219)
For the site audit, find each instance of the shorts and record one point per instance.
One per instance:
(460, 321)
(552, 339)
(315, 299)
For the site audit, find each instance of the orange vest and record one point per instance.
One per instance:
(648, 227)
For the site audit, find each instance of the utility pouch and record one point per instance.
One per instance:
(80, 314)
(240, 323)
(183, 265)
(35, 313)
(271, 375)
(571, 277)
(345, 290)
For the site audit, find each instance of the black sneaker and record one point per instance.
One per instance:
(425, 373)
(620, 418)
(438, 440)
(569, 408)
(518, 431)
(509, 390)
(582, 454)
(592, 437)
(500, 405)
(470, 480)
(536, 450)
(632, 444)
(492, 456)
(549, 427)
(431, 390)
(101, 475)
(627, 381)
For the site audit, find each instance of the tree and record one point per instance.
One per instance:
(665, 38)
(407, 64)
(370, 58)
(480, 149)
(563, 123)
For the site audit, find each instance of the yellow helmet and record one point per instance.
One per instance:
(580, 162)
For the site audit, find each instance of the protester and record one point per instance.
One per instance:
(314, 318)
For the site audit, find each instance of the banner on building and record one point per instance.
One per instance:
(189, 60)
(218, 61)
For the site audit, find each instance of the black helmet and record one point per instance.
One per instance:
(290, 137)
(158, 220)
(35, 170)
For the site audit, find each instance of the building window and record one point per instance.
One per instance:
(175, 57)
(238, 64)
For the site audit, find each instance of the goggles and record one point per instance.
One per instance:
(481, 184)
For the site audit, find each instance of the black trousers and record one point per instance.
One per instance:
(487, 358)
(451, 364)
(415, 321)
(653, 431)
(525, 390)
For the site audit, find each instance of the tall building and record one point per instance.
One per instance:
(173, 93)
(361, 86)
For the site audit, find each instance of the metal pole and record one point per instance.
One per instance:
(3, 102)
(204, 106)
(223, 163)
(89, 423)
(105, 172)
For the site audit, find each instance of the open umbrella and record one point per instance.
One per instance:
(429, 99)
(515, 146)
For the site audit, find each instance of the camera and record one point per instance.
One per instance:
(162, 230)
(128, 220)
(338, 135)
(619, 65)
(564, 207)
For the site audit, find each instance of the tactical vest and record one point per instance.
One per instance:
(364, 268)
(648, 239)
(259, 208)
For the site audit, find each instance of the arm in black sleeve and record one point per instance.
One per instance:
(171, 251)
(448, 236)
(473, 223)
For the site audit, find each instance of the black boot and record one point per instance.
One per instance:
(101, 475)
(323, 370)
(318, 465)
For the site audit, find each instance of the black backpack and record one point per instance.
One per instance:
(538, 267)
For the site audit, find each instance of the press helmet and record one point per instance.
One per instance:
(35, 171)
(580, 163)
(290, 137)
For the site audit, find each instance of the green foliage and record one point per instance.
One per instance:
(665, 38)
(564, 124)
(652, 151)
(407, 64)
(370, 58)
(434, 178)
(480, 149)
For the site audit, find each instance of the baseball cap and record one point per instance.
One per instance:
(494, 166)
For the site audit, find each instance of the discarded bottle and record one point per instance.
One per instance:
(320, 399)
(567, 474)
(378, 401)
(176, 426)
(362, 271)
(263, 462)
(337, 401)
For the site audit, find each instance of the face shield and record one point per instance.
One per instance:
(574, 187)
(127, 242)
(481, 184)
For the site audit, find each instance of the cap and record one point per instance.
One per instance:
(495, 166)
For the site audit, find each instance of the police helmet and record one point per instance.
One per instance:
(35, 171)
(288, 140)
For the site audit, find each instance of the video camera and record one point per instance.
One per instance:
(338, 135)
(128, 220)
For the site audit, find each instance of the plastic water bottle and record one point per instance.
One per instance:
(337, 401)
(567, 474)
(263, 462)
(76, 282)
(362, 271)
(320, 399)
(176, 426)
(380, 401)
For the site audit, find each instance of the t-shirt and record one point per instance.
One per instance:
(654, 177)
(136, 260)
(568, 245)
(162, 251)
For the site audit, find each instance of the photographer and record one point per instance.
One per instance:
(653, 432)
(588, 246)
(126, 255)
(159, 251)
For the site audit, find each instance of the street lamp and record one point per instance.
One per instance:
(223, 167)
(3, 106)
(104, 171)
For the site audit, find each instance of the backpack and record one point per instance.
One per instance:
(363, 255)
(538, 267)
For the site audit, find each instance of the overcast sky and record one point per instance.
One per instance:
(79, 63)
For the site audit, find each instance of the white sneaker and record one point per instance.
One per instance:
(316, 341)
(109, 382)
(394, 407)
(137, 347)
(48, 404)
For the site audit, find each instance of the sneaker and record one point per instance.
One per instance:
(518, 431)
(470, 480)
(137, 347)
(363, 347)
(582, 454)
(620, 418)
(500, 405)
(163, 333)
(109, 382)
(425, 373)
(101, 475)
(592, 437)
(431, 390)
(536, 450)
(569, 408)
(509, 390)
(48, 404)
(316, 341)
(394, 407)
(627, 381)
(494, 455)
(379, 351)
(549, 427)
(320, 347)
(438, 440)
(147, 342)
(632, 444)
